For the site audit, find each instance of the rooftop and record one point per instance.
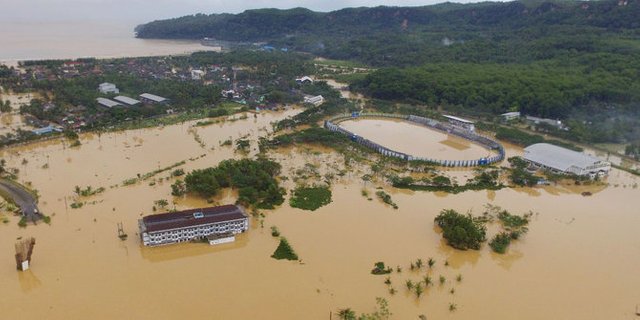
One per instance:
(192, 217)
(152, 97)
(557, 157)
(126, 100)
(458, 119)
(107, 102)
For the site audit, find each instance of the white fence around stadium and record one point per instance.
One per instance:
(487, 143)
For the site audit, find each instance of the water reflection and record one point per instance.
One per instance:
(189, 249)
(507, 259)
(28, 281)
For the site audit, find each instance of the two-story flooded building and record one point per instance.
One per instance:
(194, 224)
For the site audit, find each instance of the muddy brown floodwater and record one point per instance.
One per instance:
(578, 261)
(415, 139)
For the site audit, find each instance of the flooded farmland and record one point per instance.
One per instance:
(578, 261)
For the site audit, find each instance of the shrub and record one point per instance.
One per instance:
(500, 242)
(284, 251)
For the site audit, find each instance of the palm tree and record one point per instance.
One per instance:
(409, 284)
(346, 314)
(419, 290)
(459, 278)
(419, 263)
(431, 262)
(442, 280)
(427, 281)
(453, 307)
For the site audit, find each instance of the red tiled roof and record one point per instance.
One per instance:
(185, 219)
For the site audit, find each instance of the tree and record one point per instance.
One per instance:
(461, 231)
(346, 314)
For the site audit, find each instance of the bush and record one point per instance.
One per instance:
(310, 198)
(461, 231)
(379, 268)
(284, 251)
(500, 242)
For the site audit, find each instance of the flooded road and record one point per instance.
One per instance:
(578, 261)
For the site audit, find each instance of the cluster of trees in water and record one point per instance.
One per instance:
(255, 181)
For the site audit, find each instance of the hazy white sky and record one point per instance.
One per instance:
(146, 10)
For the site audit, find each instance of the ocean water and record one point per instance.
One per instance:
(77, 39)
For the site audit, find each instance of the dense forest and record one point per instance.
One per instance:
(572, 60)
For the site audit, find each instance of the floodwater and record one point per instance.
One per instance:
(13, 120)
(415, 139)
(66, 40)
(578, 261)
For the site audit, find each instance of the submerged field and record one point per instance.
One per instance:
(578, 260)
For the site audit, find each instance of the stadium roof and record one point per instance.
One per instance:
(558, 158)
(458, 119)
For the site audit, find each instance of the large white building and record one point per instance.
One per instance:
(560, 160)
(107, 87)
(194, 224)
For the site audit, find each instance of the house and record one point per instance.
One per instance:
(197, 74)
(126, 100)
(304, 80)
(316, 101)
(149, 98)
(107, 103)
(107, 87)
(194, 224)
(510, 115)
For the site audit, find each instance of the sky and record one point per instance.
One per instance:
(140, 11)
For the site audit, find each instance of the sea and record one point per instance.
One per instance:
(80, 39)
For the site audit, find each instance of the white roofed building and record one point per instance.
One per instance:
(461, 123)
(126, 100)
(107, 87)
(316, 101)
(152, 98)
(107, 103)
(560, 160)
(305, 79)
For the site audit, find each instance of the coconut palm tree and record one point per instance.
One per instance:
(419, 263)
(431, 262)
(409, 284)
(346, 314)
(427, 281)
(419, 290)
